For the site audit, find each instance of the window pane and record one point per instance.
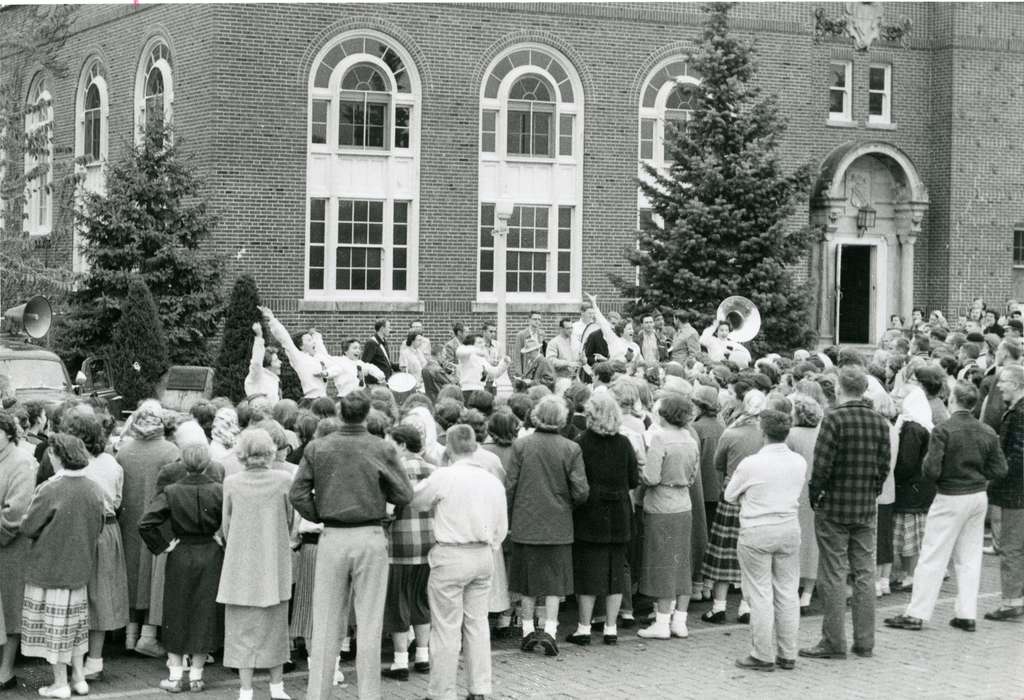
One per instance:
(875, 100)
(376, 234)
(316, 256)
(375, 136)
(361, 210)
(487, 143)
(486, 259)
(399, 256)
(401, 212)
(838, 78)
(343, 258)
(486, 281)
(837, 99)
(564, 283)
(876, 79)
(319, 134)
(563, 262)
(1018, 247)
(489, 119)
(376, 211)
(319, 121)
(398, 280)
(402, 117)
(518, 132)
(316, 231)
(541, 134)
(564, 217)
(344, 209)
(375, 112)
(565, 128)
(316, 279)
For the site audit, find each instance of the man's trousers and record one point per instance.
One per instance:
(770, 562)
(842, 548)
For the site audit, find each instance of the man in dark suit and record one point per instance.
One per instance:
(532, 331)
(375, 352)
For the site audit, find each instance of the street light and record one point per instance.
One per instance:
(865, 219)
(502, 212)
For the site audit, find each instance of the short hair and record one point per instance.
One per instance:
(604, 416)
(411, 337)
(9, 424)
(676, 410)
(917, 309)
(86, 428)
(417, 399)
(1011, 349)
(850, 357)
(939, 334)
(604, 371)
(1016, 324)
(929, 379)
(297, 339)
(203, 412)
(34, 409)
(70, 450)
(625, 391)
(586, 306)
(538, 392)
(562, 321)
(450, 391)
(521, 405)
(966, 395)
(620, 327)
(970, 350)
(305, 426)
(255, 448)
(355, 407)
(807, 411)
(447, 412)
(775, 424)
(503, 426)
(285, 412)
(407, 436)
(550, 414)
(379, 323)
(323, 407)
(460, 440)
(346, 344)
(579, 393)
(686, 316)
(470, 338)
(852, 381)
(195, 457)
(275, 431)
(482, 401)
(378, 422)
(457, 327)
(923, 344)
(475, 420)
(326, 426)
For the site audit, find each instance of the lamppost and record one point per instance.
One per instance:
(502, 211)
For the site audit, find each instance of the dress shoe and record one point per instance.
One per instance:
(1007, 612)
(582, 640)
(862, 653)
(904, 622)
(752, 664)
(821, 651)
(715, 618)
(902, 587)
(150, 647)
(529, 642)
(80, 688)
(611, 639)
(288, 667)
(805, 610)
(396, 674)
(962, 624)
(743, 619)
(9, 684)
(197, 686)
(785, 664)
(548, 644)
(421, 667)
(474, 696)
(627, 622)
(170, 686)
(94, 677)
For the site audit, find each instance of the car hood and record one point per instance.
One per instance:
(49, 397)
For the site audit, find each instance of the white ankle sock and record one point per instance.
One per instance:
(662, 618)
(610, 630)
(401, 660)
(422, 653)
(1016, 602)
(277, 691)
(528, 628)
(175, 673)
(504, 620)
(93, 665)
(717, 605)
(195, 674)
(627, 615)
(583, 630)
(346, 644)
(679, 616)
(148, 633)
(551, 627)
(744, 607)
(805, 599)
(244, 694)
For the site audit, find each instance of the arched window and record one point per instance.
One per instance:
(154, 86)
(39, 159)
(666, 103)
(91, 137)
(531, 156)
(363, 175)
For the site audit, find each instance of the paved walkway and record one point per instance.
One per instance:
(939, 662)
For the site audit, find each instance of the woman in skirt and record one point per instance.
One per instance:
(63, 522)
(914, 493)
(673, 465)
(256, 579)
(108, 586)
(602, 525)
(502, 429)
(193, 507)
(741, 439)
(807, 415)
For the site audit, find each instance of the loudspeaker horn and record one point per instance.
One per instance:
(33, 317)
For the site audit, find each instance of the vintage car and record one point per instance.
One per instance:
(40, 375)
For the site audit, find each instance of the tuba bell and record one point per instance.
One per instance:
(742, 316)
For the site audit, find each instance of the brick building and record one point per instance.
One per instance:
(356, 154)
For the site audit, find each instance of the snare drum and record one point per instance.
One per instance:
(402, 385)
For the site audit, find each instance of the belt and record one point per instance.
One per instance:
(309, 537)
(108, 519)
(463, 544)
(362, 523)
(195, 539)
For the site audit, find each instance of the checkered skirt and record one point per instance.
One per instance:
(54, 623)
(720, 561)
(908, 533)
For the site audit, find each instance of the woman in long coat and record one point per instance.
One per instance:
(602, 525)
(17, 481)
(193, 506)
(141, 457)
(255, 523)
(807, 415)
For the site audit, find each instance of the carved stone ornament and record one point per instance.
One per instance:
(861, 21)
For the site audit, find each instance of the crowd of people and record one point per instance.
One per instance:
(643, 471)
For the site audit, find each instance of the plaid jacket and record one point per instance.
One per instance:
(412, 531)
(1008, 492)
(851, 461)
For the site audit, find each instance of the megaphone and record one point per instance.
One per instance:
(33, 317)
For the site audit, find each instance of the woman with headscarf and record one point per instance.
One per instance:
(741, 439)
(914, 493)
(192, 506)
(17, 481)
(418, 411)
(255, 524)
(63, 522)
(807, 415)
(141, 456)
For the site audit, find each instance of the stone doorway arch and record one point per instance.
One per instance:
(878, 261)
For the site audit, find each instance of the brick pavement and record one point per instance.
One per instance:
(937, 663)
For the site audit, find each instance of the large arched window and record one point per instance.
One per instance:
(363, 174)
(91, 136)
(39, 159)
(154, 86)
(531, 157)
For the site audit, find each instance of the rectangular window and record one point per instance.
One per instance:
(839, 96)
(538, 250)
(359, 255)
(527, 251)
(486, 247)
(1018, 248)
(362, 123)
(488, 131)
(92, 136)
(400, 247)
(564, 250)
(880, 94)
(403, 121)
(565, 128)
(647, 219)
(647, 139)
(319, 121)
(317, 231)
(530, 130)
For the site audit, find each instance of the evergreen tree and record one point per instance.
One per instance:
(236, 343)
(140, 346)
(725, 202)
(151, 222)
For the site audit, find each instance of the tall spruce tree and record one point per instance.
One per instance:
(236, 343)
(151, 222)
(140, 346)
(725, 202)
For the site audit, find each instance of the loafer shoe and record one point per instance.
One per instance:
(611, 639)
(904, 622)
(715, 618)
(627, 623)
(548, 644)
(529, 642)
(170, 686)
(196, 686)
(862, 653)
(62, 693)
(785, 664)
(395, 674)
(743, 619)
(821, 651)
(150, 647)
(1009, 612)
(421, 667)
(752, 664)
(963, 624)
(582, 640)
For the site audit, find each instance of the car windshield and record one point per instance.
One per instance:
(34, 373)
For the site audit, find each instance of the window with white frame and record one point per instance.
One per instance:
(39, 159)
(667, 102)
(840, 96)
(880, 94)
(363, 173)
(531, 112)
(1018, 247)
(91, 138)
(154, 86)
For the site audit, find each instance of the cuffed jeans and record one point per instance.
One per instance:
(955, 526)
(349, 562)
(459, 589)
(770, 563)
(1011, 553)
(842, 548)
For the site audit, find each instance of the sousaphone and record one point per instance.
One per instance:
(742, 316)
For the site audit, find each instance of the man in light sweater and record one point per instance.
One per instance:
(474, 369)
(767, 486)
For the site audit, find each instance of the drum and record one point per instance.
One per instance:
(402, 385)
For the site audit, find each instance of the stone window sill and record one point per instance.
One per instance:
(360, 306)
(882, 126)
(841, 124)
(559, 307)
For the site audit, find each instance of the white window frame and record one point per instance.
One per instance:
(335, 159)
(38, 194)
(846, 115)
(659, 113)
(141, 76)
(569, 197)
(1017, 264)
(886, 116)
(92, 173)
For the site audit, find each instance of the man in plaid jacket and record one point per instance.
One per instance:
(851, 461)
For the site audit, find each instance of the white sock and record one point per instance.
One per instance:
(175, 673)
(662, 618)
(805, 599)
(583, 630)
(744, 607)
(679, 616)
(611, 630)
(244, 694)
(401, 660)
(195, 674)
(551, 627)
(93, 665)
(346, 644)
(148, 633)
(717, 605)
(1016, 602)
(422, 653)
(527, 628)
(627, 615)
(277, 691)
